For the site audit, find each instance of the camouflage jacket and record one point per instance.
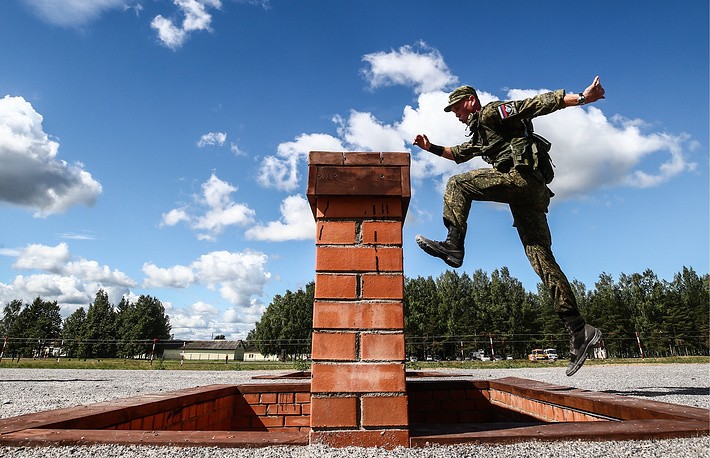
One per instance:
(498, 131)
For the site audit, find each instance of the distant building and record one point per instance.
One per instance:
(215, 350)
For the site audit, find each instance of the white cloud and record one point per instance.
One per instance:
(204, 321)
(211, 139)
(601, 153)
(72, 282)
(281, 171)
(42, 257)
(420, 66)
(181, 324)
(173, 277)
(605, 152)
(202, 308)
(74, 13)
(237, 276)
(247, 315)
(365, 133)
(212, 212)
(234, 148)
(196, 18)
(31, 176)
(296, 223)
(174, 216)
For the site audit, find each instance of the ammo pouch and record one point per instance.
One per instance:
(542, 161)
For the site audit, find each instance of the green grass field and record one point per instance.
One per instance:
(131, 364)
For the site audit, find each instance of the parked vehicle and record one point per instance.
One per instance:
(538, 354)
(551, 354)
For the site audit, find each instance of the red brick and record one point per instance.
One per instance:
(384, 411)
(252, 398)
(453, 405)
(358, 315)
(268, 398)
(382, 232)
(333, 346)
(418, 396)
(147, 423)
(336, 286)
(334, 412)
(293, 421)
(238, 423)
(203, 422)
(387, 439)
(289, 409)
(357, 207)
(382, 286)
(335, 233)
(457, 394)
(382, 347)
(258, 409)
(159, 420)
(272, 422)
(427, 406)
(286, 398)
(357, 378)
(302, 398)
(358, 259)
(189, 425)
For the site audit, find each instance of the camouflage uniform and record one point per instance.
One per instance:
(500, 134)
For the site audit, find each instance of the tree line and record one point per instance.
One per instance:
(456, 314)
(450, 316)
(102, 331)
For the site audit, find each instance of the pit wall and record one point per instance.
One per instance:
(279, 407)
(441, 412)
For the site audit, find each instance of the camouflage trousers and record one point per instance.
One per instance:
(528, 198)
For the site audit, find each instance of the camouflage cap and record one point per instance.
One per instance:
(458, 94)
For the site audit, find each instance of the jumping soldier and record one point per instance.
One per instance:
(502, 134)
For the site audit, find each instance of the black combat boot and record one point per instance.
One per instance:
(583, 338)
(450, 250)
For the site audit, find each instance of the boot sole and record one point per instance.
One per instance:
(430, 250)
(583, 357)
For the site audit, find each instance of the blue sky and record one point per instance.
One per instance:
(159, 146)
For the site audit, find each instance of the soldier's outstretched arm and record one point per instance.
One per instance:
(423, 142)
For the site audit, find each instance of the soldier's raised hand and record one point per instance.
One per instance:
(594, 92)
(422, 141)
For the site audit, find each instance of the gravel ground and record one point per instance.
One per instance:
(25, 391)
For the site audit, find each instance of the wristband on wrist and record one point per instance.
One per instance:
(436, 149)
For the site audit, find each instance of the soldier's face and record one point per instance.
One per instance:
(463, 108)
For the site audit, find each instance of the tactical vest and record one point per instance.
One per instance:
(513, 144)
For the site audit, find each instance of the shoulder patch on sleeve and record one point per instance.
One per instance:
(507, 110)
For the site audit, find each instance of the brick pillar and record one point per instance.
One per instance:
(358, 390)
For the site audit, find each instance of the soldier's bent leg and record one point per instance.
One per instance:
(535, 234)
